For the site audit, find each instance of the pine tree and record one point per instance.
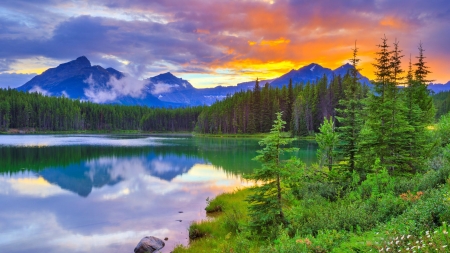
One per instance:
(421, 93)
(348, 115)
(289, 104)
(386, 127)
(266, 202)
(422, 69)
(256, 106)
(420, 112)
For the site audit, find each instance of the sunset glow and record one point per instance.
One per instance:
(221, 42)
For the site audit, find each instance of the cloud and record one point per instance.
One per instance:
(64, 93)
(14, 80)
(5, 64)
(39, 90)
(160, 88)
(114, 88)
(147, 38)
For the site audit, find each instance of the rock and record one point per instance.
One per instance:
(149, 244)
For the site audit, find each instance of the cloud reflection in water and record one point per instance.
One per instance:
(126, 198)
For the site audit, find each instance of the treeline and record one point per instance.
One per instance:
(32, 110)
(304, 107)
(442, 103)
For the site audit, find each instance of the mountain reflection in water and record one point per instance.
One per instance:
(130, 187)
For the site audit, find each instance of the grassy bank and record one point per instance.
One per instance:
(409, 215)
(227, 215)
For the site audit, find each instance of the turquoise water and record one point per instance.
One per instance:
(103, 193)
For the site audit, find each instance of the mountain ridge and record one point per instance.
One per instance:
(79, 79)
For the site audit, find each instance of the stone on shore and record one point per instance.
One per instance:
(149, 244)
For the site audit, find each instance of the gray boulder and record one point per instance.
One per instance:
(149, 244)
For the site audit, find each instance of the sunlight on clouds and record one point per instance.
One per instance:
(34, 65)
(37, 187)
(270, 42)
(117, 195)
(253, 69)
(392, 22)
(216, 180)
(239, 71)
(113, 57)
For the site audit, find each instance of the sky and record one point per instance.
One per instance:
(220, 42)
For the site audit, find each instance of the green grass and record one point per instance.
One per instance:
(354, 222)
(219, 231)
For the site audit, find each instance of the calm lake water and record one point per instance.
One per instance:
(104, 193)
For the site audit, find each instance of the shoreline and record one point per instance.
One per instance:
(32, 131)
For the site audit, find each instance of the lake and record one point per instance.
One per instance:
(104, 193)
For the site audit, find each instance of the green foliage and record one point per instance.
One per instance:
(395, 125)
(443, 129)
(266, 202)
(327, 139)
(391, 181)
(349, 115)
(377, 183)
(441, 102)
(31, 110)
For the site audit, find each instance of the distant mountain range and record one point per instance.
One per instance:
(439, 87)
(80, 80)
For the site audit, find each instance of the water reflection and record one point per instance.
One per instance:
(127, 191)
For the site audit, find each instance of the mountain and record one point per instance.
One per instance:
(342, 70)
(313, 72)
(437, 87)
(79, 79)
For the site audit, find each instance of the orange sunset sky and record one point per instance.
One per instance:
(212, 43)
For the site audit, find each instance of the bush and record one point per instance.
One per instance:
(443, 129)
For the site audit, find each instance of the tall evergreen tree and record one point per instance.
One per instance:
(386, 124)
(256, 106)
(266, 202)
(421, 93)
(349, 114)
(420, 111)
(289, 104)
